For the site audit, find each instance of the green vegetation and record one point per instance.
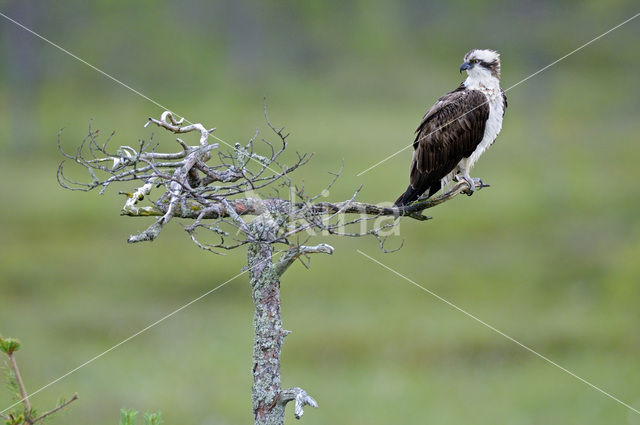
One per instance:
(21, 412)
(128, 417)
(550, 254)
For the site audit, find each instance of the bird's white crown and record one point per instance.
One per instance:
(485, 55)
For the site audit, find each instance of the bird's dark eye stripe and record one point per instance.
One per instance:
(481, 62)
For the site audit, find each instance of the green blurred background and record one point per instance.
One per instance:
(550, 254)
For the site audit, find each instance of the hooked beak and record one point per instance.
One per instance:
(465, 66)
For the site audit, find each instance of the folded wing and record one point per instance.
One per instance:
(450, 131)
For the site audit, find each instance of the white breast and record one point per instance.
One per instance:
(491, 89)
(494, 122)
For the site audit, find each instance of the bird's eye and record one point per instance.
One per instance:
(475, 61)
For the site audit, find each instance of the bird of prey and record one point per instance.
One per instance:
(458, 128)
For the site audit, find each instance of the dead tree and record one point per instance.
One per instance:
(233, 196)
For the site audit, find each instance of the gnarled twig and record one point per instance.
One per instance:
(300, 397)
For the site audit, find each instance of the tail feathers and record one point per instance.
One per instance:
(412, 194)
(408, 196)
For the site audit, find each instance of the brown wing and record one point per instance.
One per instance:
(450, 131)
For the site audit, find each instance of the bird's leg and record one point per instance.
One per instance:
(470, 182)
(464, 174)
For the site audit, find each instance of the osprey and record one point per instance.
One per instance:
(458, 128)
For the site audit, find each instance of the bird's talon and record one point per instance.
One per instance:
(472, 185)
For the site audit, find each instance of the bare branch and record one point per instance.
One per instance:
(253, 206)
(138, 195)
(300, 397)
(295, 252)
(170, 123)
(55, 409)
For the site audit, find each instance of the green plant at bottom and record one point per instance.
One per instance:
(22, 412)
(128, 417)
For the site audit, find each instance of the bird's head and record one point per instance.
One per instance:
(481, 64)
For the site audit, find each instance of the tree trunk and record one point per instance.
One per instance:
(267, 322)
